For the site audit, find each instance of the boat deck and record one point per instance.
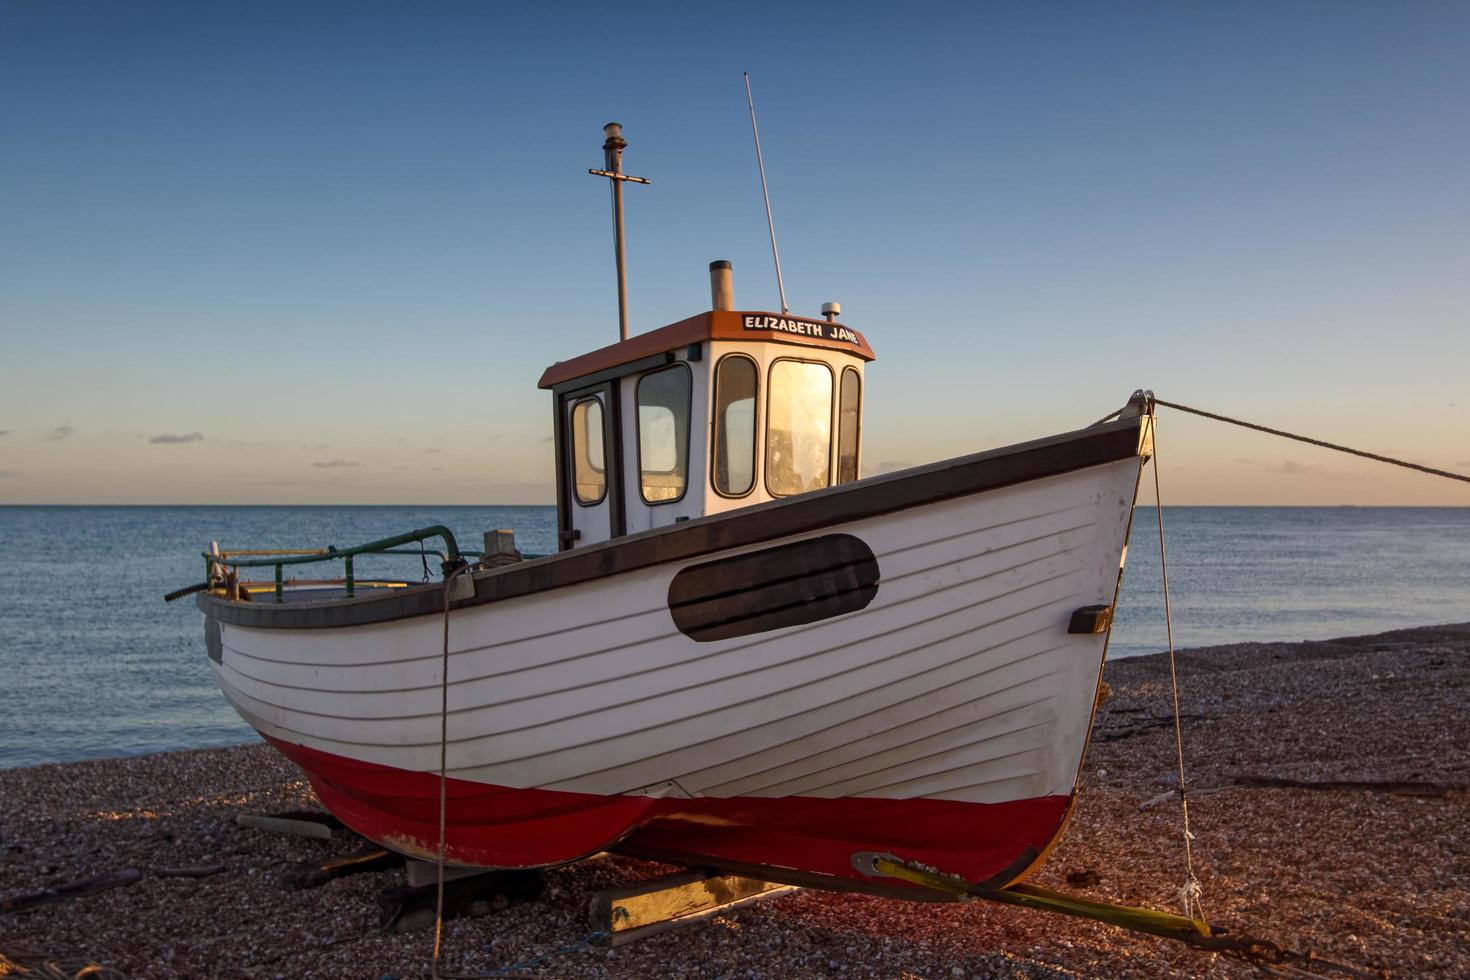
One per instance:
(320, 590)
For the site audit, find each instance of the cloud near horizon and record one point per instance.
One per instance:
(60, 432)
(10, 474)
(170, 439)
(335, 464)
(1317, 471)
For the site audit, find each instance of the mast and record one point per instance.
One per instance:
(612, 155)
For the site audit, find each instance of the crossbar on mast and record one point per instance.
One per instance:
(612, 150)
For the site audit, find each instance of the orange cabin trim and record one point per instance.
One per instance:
(714, 325)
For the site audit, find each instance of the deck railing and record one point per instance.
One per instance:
(450, 557)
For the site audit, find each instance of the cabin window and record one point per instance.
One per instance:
(663, 433)
(589, 475)
(770, 589)
(737, 380)
(798, 427)
(848, 416)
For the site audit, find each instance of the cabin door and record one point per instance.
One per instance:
(589, 466)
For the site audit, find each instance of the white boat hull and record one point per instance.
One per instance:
(957, 684)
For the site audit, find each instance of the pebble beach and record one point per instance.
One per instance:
(1327, 798)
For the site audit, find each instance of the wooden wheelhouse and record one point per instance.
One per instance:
(720, 411)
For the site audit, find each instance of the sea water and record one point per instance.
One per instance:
(93, 663)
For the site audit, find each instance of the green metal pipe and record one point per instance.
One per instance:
(381, 546)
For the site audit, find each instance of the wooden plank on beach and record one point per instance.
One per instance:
(655, 906)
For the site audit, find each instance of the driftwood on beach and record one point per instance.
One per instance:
(73, 889)
(317, 828)
(1400, 786)
(204, 871)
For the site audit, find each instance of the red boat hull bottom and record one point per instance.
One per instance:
(793, 838)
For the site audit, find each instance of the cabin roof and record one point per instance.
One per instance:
(780, 328)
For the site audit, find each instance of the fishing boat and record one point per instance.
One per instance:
(742, 655)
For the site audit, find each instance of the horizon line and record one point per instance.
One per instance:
(553, 505)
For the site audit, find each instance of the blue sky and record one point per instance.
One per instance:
(339, 242)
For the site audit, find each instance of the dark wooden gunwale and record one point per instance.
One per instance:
(808, 512)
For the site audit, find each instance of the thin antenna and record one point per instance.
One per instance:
(770, 222)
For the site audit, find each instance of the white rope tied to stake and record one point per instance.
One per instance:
(1190, 891)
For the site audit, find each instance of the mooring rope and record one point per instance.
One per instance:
(1190, 892)
(583, 943)
(1313, 442)
(443, 774)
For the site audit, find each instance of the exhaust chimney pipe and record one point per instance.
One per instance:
(721, 285)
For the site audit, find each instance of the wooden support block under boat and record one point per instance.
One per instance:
(408, 908)
(421, 874)
(658, 905)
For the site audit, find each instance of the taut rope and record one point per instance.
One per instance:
(1189, 893)
(1314, 442)
(584, 942)
(443, 776)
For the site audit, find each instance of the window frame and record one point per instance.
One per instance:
(755, 439)
(572, 458)
(638, 432)
(857, 428)
(831, 429)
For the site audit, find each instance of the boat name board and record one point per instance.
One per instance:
(805, 328)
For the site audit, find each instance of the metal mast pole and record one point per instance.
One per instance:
(612, 155)
(612, 152)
